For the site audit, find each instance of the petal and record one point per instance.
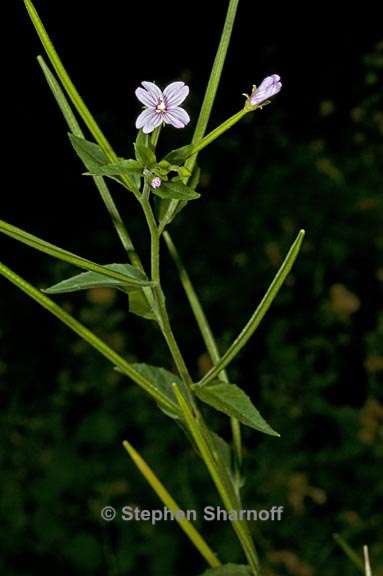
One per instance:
(143, 118)
(175, 94)
(153, 90)
(270, 86)
(177, 117)
(259, 96)
(266, 83)
(152, 123)
(146, 98)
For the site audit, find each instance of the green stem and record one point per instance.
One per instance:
(209, 341)
(215, 77)
(214, 134)
(163, 317)
(73, 94)
(197, 148)
(103, 189)
(350, 553)
(228, 499)
(67, 82)
(210, 93)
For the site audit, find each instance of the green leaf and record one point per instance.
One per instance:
(67, 83)
(228, 570)
(175, 191)
(179, 155)
(122, 166)
(60, 254)
(88, 280)
(139, 305)
(145, 155)
(163, 380)
(259, 313)
(74, 127)
(122, 365)
(231, 400)
(99, 165)
(143, 140)
(222, 451)
(89, 152)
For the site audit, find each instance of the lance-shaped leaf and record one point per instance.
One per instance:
(228, 570)
(122, 166)
(179, 155)
(163, 381)
(175, 191)
(90, 153)
(88, 280)
(60, 254)
(74, 95)
(98, 164)
(259, 312)
(116, 360)
(172, 505)
(67, 83)
(75, 129)
(144, 154)
(222, 451)
(139, 305)
(231, 400)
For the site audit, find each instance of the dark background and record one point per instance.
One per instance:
(312, 159)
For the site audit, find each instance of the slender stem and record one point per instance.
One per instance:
(172, 505)
(197, 148)
(214, 134)
(229, 501)
(104, 144)
(210, 93)
(67, 82)
(103, 189)
(155, 136)
(163, 316)
(350, 553)
(209, 341)
(215, 77)
(73, 93)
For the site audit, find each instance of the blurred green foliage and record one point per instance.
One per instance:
(314, 369)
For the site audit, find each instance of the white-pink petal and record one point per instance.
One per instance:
(153, 90)
(144, 117)
(146, 98)
(175, 93)
(152, 122)
(178, 117)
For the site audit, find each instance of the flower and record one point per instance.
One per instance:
(162, 106)
(156, 182)
(270, 86)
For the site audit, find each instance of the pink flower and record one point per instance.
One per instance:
(162, 106)
(270, 86)
(156, 182)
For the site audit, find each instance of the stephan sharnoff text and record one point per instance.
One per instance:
(209, 514)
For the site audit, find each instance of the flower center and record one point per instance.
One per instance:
(161, 106)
